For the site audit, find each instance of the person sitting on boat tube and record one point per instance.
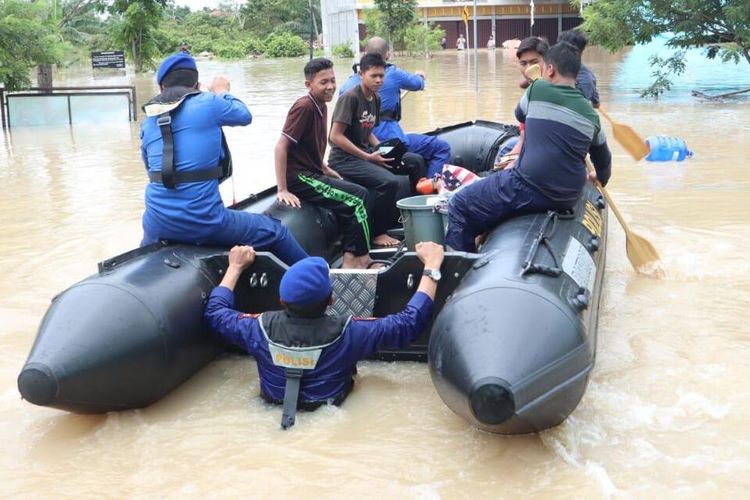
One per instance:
(550, 173)
(303, 174)
(305, 358)
(586, 80)
(186, 157)
(530, 51)
(435, 151)
(354, 152)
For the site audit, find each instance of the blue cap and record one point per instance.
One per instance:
(181, 60)
(306, 282)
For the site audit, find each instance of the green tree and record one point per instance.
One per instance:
(421, 38)
(28, 36)
(721, 27)
(136, 29)
(396, 16)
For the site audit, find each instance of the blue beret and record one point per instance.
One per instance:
(306, 282)
(181, 60)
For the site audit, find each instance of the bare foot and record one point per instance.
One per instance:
(479, 240)
(352, 261)
(385, 241)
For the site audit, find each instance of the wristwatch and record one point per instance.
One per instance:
(433, 274)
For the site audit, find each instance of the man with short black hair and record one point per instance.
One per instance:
(550, 174)
(305, 358)
(435, 151)
(185, 153)
(302, 173)
(530, 52)
(585, 80)
(353, 147)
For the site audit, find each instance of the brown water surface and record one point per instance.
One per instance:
(667, 406)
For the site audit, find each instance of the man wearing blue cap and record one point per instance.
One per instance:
(305, 358)
(186, 156)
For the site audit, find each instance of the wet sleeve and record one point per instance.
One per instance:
(235, 327)
(343, 113)
(231, 111)
(601, 157)
(406, 80)
(523, 107)
(394, 331)
(298, 123)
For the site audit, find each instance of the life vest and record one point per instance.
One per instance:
(295, 344)
(162, 107)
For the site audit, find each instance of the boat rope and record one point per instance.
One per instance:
(529, 267)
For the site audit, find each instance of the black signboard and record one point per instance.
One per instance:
(108, 59)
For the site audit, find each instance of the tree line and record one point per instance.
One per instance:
(65, 31)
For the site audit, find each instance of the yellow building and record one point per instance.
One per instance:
(505, 19)
(343, 20)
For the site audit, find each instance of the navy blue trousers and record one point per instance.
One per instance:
(262, 232)
(482, 205)
(435, 151)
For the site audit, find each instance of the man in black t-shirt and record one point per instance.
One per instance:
(357, 112)
(301, 172)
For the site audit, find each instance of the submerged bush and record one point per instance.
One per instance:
(285, 45)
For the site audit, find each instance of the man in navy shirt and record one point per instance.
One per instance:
(306, 358)
(183, 203)
(585, 80)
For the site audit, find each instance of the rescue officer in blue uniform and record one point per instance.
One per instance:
(185, 152)
(306, 358)
(434, 150)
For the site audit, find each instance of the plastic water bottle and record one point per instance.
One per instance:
(665, 148)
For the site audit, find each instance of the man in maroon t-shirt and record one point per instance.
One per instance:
(301, 172)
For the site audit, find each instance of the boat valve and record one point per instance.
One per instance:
(581, 300)
(594, 243)
(600, 202)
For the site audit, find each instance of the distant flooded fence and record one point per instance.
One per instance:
(68, 105)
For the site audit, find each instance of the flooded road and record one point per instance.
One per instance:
(666, 409)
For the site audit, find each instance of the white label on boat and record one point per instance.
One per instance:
(579, 265)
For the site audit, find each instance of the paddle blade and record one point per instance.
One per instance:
(640, 251)
(630, 140)
(533, 72)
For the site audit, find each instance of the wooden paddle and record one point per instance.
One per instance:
(627, 137)
(641, 253)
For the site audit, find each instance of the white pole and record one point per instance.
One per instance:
(476, 49)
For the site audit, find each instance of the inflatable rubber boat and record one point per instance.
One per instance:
(510, 347)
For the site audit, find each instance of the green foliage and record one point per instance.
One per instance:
(28, 36)
(374, 25)
(672, 65)
(136, 29)
(396, 16)
(722, 27)
(343, 50)
(263, 17)
(285, 45)
(421, 38)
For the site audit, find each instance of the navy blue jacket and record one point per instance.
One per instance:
(333, 374)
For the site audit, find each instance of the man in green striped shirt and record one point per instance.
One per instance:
(561, 129)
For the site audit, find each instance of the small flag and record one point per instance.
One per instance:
(455, 177)
(465, 15)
